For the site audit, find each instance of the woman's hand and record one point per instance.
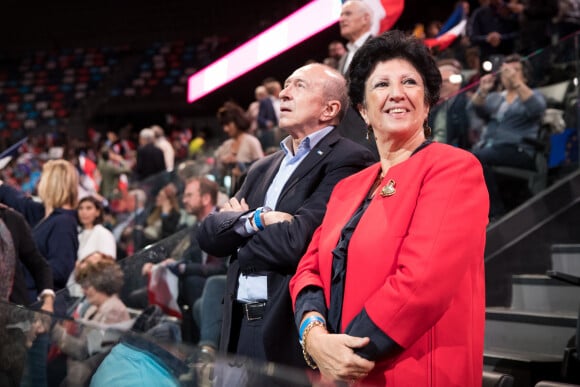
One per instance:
(335, 357)
(486, 83)
(48, 303)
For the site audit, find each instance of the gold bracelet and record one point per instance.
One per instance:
(309, 361)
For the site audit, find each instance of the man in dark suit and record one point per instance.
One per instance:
(266, 244)
(150, 160)
(356, 18)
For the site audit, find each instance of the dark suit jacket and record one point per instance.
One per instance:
(353, 127)
(277, 249)
(149, 161)
(192, 257)
(26, 254)
(266, 113)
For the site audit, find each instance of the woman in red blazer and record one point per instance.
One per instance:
(391, 289)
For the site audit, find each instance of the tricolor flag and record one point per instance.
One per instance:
(453, 27)
(393, 10)
(385, 14)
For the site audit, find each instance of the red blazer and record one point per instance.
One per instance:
(415, 263)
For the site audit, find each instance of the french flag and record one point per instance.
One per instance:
(393, 10)
(385, 14)
(453, 27)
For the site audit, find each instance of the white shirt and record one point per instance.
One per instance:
(352, 49)
(98, 239)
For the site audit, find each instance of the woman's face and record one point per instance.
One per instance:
(88, 212)
(161, 198)
(395, 100)
(231, 129)
(91, 294)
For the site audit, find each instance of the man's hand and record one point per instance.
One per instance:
(494, 38)
(234, 205)
(146, 269)
(272, 217)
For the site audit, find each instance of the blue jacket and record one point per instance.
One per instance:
(56, 236)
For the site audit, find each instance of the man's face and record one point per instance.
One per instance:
(302, 99)
(449, 86)
(353, 21)
(192, 199)
(336, 50)
(131, 203)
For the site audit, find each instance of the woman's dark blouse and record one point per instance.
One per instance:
(56, 236)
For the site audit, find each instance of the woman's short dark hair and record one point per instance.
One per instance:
(526, 68)
(104, 275)
(98, 205)
(393, 45)
(232, 112)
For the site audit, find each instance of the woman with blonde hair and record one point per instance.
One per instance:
(53, 221)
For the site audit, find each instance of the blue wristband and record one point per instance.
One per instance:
(258, 219)
(307, 322)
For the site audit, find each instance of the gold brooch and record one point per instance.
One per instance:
(388, 189)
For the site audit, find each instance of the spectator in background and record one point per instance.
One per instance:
(92, 237)
(535, 23)
(336, 51)
(54, 231)
(238, 152)
(449, 118)
(196, 145)
(355, 26)
(111, 166)
(511, 115)
(163, 143)
(536, 31)
(269, 113)
(432, 29)
(120, 145)
(163, 220)
(568, 20)
(17, 247)
(101, 282)
(194, 266)
(150, 159)
(260, 93)
(494, 28)
(356, 18)
(128, 231)
(54, 221)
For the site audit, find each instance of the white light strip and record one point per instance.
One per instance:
(299, 26)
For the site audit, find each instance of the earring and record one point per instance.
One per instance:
(369, 130)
